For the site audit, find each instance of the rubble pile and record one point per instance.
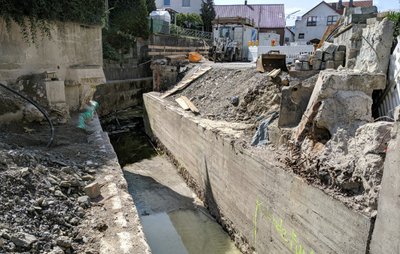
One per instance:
(329, 56)
(235, 95)
(43, 200)
(349, 165)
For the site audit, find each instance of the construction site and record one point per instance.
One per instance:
(203, 142)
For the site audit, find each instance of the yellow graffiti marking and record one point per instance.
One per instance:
(291, 241)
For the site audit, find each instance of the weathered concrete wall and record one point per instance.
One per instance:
(386, 235)
(275, 211)
(118, 95)
(124, 233)
(71, 44)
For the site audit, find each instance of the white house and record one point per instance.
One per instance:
(182, 6)
(312, 25)
(289, 34)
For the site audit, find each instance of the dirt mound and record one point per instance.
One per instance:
(241, 95)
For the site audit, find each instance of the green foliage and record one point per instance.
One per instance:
(33, 16)
(189, 20)
(395, 17)
(151, 5)
(128, 19)
(207, 14)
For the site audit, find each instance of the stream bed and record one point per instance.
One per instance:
(174, 219)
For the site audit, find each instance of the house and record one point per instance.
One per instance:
(312, 25)
(268, 18)
(339, 6)
(289, 34)
(181, 6)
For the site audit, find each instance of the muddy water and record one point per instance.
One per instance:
(174, 219)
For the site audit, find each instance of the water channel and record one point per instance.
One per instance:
(174, 220)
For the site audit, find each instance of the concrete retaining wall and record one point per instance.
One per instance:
(71, 44)
(273, 210)
(121, 94)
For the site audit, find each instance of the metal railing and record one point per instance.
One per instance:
(162, 27)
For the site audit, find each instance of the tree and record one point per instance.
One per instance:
(127, 21)
(207, 14)
(189, 20)
(151, 5)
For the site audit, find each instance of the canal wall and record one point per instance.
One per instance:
(264, 207)
(122, 231)
(121, 94)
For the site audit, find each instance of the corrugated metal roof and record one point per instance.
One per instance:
(264, 15)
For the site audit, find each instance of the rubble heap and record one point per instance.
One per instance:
(240, 95)
(42, 196)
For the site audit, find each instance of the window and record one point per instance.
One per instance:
(185, 3)
(331, 20)
(301, 36)
(167, 2)
(312, 21)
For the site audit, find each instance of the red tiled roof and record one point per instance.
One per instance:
(264, 15)
(360, 3)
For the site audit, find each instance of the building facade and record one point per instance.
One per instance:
(181, 6)
(267, 18)
(312, 25)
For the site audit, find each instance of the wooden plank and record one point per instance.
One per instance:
(192, 107)
(182, 103)
(195, 73)
(274, 73)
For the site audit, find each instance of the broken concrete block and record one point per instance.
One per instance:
(341, 48)
(330, 64)
(305, 66)
(294, 102)
(24, 240)
(328, 57)
(338, 64)
(92, 190)
(319, 54)
(375, 50)
(329, 48)
(323, 66)
(341, 100)
(339, 56)
(353, 53)
(317, 64)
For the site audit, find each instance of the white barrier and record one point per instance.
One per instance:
(291, 52)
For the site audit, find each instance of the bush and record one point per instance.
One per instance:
(189, 20)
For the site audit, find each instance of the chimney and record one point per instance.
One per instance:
(245, 2)
(351, 3)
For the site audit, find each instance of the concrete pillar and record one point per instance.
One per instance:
(386, 234)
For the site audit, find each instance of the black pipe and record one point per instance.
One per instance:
(39, 108)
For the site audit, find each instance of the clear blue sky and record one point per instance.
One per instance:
(305, 5)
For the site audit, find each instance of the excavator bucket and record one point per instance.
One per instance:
(272, 60)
